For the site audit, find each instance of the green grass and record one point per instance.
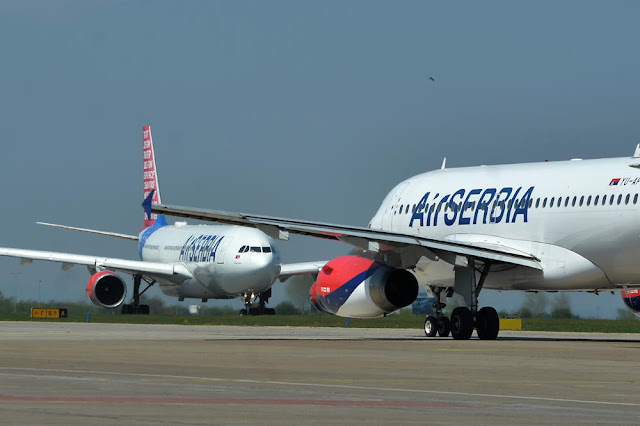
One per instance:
(403, 320)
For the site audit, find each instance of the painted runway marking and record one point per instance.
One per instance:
(230, 401)
(303, 384)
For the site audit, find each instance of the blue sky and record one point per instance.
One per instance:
(292, 108)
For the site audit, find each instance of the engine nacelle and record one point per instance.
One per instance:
(357, 287)
(631, 299)
(106, 289)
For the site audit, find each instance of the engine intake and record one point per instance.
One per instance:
(106, 289)
(357, 287)
(631, 300)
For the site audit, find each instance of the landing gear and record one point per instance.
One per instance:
(444, 327)
(263, 299)
(136, 307)
(487, 323)
(461, 323)
(465, 318)
(438, 323)
(430, 326)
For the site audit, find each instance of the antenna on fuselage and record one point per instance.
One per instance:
(444, 162)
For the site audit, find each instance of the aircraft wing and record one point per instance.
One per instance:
(92, 231)
(177, 271)
(289, 270)
(365, 238)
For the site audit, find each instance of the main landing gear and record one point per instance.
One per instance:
(135, 307)
(464, 318)
(249, 300)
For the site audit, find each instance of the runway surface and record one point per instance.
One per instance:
(71, 373)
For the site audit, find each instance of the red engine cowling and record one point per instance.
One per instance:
(106, 289)
(357, 287)
(631, 299)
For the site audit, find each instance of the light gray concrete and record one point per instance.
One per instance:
(58, 373)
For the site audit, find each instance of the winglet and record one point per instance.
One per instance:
(444, 163)
(637, 153)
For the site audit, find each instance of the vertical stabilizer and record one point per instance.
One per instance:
(150, 175)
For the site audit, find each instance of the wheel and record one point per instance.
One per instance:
(430, 326)
(143, 309)
(126, 309)
(254, 311)
(487, 323)
(243, 312)
(444, 327)
(461, 323)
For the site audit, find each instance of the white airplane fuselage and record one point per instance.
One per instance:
(580, 218)
(225, 261)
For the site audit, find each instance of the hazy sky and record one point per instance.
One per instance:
(300, 109)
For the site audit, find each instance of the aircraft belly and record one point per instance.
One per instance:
(562, 269)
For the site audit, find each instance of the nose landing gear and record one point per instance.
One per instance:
(263, 299)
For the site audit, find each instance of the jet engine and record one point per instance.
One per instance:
(106, 289)
(631, 299)
(357, 287)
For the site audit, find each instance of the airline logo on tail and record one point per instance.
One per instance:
(149, 173)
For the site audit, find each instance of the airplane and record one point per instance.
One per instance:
(186, 261)
(551, 226)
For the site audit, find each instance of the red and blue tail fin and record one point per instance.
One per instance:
(150, 178)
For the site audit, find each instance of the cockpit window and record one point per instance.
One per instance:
(255, 250)
(242, 249)
(266, 249)
(246, 249)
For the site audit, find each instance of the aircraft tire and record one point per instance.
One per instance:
(444, 327)
(243, 312)
(487, 323)
(126, 309)
(143, 309)
(461, 323)
(430, 326)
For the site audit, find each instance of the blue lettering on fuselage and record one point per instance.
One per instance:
(496, 207)
(201, 248)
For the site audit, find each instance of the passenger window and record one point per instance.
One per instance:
(611, 200)
(553, 200)
(537, 202)
(589, 200)
(619, 199)
(400, 211)
(604, 200)
(581, 200)
(566, 202)
(414, 208)
(573, 203)
(266, 249)
(595, 201)
(530, 202)
(635, 199)
(626, 199)
(544, 203)
(255, 250)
